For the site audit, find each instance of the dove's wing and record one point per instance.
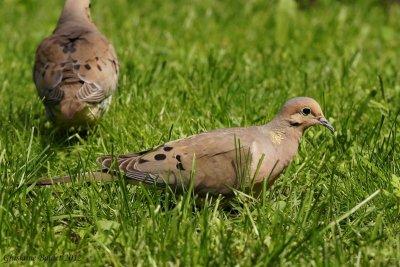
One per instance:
(215, 157)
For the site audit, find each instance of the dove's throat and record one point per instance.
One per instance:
(281, 130)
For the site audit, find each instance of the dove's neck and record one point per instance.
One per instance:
(282, 145)
(283, 131)
(74, 13)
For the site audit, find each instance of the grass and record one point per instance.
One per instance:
(192, 66)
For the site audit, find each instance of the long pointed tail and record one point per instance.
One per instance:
(95, 176)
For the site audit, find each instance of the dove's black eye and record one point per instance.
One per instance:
(306, 111)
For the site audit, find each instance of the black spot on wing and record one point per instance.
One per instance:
(167, 148)
(160, 157)
(179, 166)
(115, 66)
(178, 158)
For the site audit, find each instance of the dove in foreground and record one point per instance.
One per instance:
(76, 69)
(215, 160)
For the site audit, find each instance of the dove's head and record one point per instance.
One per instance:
(76, 10)
(304, 112)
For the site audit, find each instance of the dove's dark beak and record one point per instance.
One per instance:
(327, 124)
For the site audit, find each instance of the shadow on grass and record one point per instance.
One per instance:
(59, 139)
(24, 119)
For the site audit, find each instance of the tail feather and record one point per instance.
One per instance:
(121, 161)
(125, 163)
(109, 172)
(133, 176)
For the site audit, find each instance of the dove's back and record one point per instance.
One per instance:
(76, 72)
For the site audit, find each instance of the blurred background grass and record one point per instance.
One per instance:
(191, 66)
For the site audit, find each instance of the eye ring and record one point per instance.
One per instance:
(306, 111)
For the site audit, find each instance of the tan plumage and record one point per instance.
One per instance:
(76, 69)
(222, 157)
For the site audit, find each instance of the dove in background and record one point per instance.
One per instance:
(76, 69)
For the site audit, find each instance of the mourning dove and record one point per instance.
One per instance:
(76, 69)
(217, 159)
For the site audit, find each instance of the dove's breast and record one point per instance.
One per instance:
(272, 153)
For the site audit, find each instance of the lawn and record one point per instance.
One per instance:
(193, 66)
